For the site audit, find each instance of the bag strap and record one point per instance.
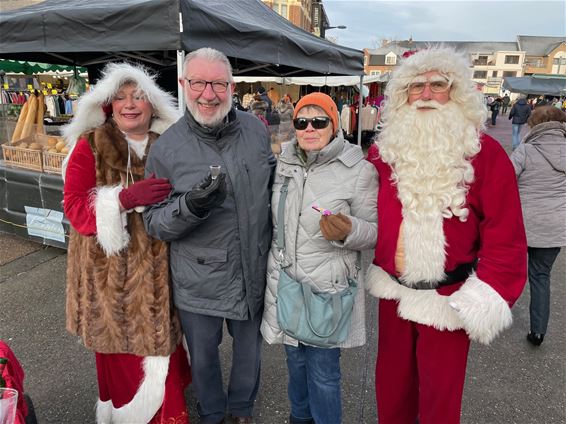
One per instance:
(280, 241)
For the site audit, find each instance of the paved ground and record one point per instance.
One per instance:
(509, 382)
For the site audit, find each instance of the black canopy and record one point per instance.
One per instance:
(536, 85)
(88, 32)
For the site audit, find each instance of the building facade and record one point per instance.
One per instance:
(306, 14)
(491, 61)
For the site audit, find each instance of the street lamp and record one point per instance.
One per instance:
(337, 26)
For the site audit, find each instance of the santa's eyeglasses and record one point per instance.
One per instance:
(438, 86)
(318, 123)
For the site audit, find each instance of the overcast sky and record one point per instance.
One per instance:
(369, 21)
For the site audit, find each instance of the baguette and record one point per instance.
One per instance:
(20, 123)
(40, 112)
(28, 129)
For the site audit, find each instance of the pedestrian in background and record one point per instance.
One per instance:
(323, 169)
(505, 104)
(219, 226)
(540, 166)
(519, 114)
(118, 289)
(495, 106)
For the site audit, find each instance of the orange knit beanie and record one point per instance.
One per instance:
(323, 101)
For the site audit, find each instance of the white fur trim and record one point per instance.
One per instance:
(424, 243)
(150, 394)
(423, 306)
(476, 307)
(103, 412)
(89, 112)
(111, 232)
(147, 400)
(483, 311)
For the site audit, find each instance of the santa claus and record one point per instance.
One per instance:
(450, 258)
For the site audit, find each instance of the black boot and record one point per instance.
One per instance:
(535, 338)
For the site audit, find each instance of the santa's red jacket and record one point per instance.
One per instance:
(493, 234)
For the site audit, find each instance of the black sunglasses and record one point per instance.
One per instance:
(317, 123)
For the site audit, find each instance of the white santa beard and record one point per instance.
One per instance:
(429, 153)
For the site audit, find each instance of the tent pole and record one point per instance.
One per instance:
(180, 95)
(360, 110)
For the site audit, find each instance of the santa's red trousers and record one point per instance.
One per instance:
(120, 374)
(420, 371)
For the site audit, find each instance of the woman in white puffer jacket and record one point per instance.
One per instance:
(325, 170)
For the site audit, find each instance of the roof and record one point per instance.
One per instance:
(538, 45)
(470, 47)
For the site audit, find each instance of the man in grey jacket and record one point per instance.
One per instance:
(219, 228)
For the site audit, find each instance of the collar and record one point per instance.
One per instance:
(227, 126)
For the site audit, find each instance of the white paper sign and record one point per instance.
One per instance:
(45, 223)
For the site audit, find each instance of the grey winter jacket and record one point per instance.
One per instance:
(520, 112)
(336, 178)
(540, 165)
(218, 262)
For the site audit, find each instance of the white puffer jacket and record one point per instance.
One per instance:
(337, 178)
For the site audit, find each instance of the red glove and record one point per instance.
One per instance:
(145, 192)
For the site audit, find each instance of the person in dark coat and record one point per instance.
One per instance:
(495, 106)
(505, 104)
(219, 229)
(520, 112)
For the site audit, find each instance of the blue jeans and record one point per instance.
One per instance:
(516, 135)
(314, 384)
(541, 260)
(204, 335)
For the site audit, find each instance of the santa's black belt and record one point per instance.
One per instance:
(457, 275)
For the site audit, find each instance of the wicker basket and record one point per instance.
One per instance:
(22, 157)
(52, 162)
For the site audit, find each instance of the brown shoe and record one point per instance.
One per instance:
(242, 420)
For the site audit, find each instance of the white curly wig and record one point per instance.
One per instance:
(90, 113)
(448, 62)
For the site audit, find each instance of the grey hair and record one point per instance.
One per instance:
(211, 55)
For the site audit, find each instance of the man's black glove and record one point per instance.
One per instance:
(206, 195)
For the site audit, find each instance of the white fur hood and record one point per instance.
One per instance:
(90, 113)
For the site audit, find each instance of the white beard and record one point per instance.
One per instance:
(217, 118)
(429, 153)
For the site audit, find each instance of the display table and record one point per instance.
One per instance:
(31, 205)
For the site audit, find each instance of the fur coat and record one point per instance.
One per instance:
(118, 299)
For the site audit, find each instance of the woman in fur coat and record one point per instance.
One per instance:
(118, 293)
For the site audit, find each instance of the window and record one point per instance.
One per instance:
(375, 73)
(481, 60)
(284, 10)
(390, 60)
(511, 60)
(480, 74)
(509, 74)
(494, 74)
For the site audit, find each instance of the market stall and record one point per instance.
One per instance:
(90, 33)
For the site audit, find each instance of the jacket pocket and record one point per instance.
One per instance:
(204, 255)
(203, 272)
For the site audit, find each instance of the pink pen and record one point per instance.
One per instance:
(322, 211)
